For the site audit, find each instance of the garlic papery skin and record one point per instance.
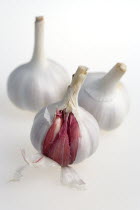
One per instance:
(39, 82)
(83, 136)
(105, 97)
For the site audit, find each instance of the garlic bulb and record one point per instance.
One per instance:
(105, 97)
(38, 82)
(65, 132)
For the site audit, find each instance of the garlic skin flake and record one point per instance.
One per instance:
(88, 127)
(105, 97)
(39, 82)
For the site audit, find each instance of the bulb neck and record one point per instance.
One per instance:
(39, 41)
(71, 97)
(108, 83)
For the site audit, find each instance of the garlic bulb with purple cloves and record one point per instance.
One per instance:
(105, 97)
(65, 132)
(39, 82)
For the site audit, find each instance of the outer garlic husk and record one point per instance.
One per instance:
(33, 85)
(89, 128)
(105, 97)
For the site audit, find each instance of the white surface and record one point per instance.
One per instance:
(93, 33)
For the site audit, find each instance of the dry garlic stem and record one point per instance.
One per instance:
(71, 99)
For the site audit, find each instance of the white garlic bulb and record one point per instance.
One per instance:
(105, 97)
(39, 82)
(63, 131)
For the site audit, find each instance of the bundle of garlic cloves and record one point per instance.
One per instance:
(31, 86)
(105, 97)
(65, 132)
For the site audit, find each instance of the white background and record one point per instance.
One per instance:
(95, 33)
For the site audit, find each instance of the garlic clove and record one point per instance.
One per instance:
(105, 97)
(74, 136)
(53, 131)
(31, 86)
